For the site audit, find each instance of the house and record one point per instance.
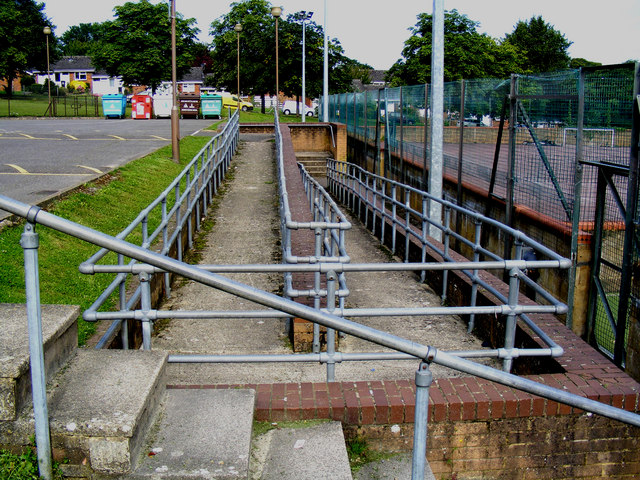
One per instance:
(71, 68)
(376, 78)
(192, 81)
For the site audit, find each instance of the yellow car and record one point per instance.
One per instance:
(231, 101)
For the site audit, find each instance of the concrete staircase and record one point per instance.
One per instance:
(314, 162)
(112, 417)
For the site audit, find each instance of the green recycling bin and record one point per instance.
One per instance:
(211, 105)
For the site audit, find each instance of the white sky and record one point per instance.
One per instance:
(374, 31)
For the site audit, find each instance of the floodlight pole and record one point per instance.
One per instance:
(325, 76)
(437, 108)
(305, 16)
(175, 117)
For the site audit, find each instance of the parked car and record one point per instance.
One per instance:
(289, 108)
(231, 101)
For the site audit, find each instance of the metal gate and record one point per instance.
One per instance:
(616, 242)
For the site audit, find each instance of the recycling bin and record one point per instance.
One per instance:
(114, 105)
(189, 106)
(141, 107)
(211, 105)
(162, 105)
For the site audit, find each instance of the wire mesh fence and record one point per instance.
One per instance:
(527, 142)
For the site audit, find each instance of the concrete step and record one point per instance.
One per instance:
(317, 452)
(314, 162)
(199, 434)
(322, 155)
(100, 407)
(60, 340)
(397, 467)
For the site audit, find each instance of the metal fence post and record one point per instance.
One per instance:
(145, 307)
(30, 243)
(332, 278)
(424, 378)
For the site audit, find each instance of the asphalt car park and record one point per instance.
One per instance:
(42, 158)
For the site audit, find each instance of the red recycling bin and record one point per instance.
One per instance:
(141, 107)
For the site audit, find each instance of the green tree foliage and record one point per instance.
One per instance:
(137, 44)
(22, 42)
(467, 53)
(544, 47)
(257, 53)
(81, 39)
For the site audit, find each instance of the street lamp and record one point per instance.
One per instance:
(47, 31)
(276, 12)
(305, 16)
(238, 29)
(175, 120)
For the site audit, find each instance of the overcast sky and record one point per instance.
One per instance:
(374, 31)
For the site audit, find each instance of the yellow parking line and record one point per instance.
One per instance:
(19, 169)
(69, 136)
(48, 174)
(27, 136)
(90, 168)
(117, 137)
(160, 138)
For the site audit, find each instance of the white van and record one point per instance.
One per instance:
(288, 107)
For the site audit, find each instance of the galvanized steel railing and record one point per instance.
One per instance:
(386, 204)
(329, 225)
(160, 227)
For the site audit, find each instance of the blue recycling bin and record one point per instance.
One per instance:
(114, 105)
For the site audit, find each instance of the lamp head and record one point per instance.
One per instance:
(46, 30)
(276, 11)
(238, 27)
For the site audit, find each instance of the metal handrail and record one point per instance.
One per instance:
(363, 190)
(192, 190)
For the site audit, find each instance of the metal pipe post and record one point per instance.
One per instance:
(29, 243)
(331, 333)
(175, 114)
(424, 378)
(437, 121)
(145, 307)
(325, 71)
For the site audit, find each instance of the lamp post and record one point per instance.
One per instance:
(325, 73)
(175, 120)
(305, 16)
(47, 31)
(238, 29)
(276, 12)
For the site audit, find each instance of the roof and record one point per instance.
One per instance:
(73, 64)
(195, 75)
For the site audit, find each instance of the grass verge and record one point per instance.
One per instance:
(108, 204)
(23, 466)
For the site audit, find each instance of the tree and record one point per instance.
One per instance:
(22, 42)
(81, 39)
(257, 53)
(137, 44)
(467, 53)
(202, 57)
(544, 47)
